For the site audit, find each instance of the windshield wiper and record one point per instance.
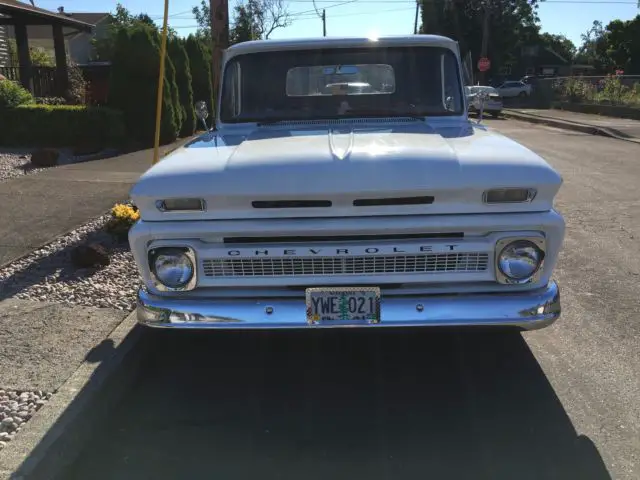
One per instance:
(274, 120)
(268, 120)
(352, 113)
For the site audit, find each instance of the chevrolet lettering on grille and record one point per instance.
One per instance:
(307, 252)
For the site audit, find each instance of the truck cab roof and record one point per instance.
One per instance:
(340, 42)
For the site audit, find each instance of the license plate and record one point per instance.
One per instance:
(343, 304)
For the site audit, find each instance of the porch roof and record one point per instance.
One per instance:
(13, 12)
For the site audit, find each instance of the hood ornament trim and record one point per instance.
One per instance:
(341, 143)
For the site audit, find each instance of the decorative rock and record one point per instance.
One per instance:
(85, 256)
(14, 414)
(48, 274)
(45, 158)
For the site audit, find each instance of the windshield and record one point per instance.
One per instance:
(337, 83)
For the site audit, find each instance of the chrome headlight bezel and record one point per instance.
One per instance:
(188, 252)
(538, 242)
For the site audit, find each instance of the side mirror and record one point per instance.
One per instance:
(448, 103)
(202, 112)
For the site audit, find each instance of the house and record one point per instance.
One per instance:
(4, 46)
(534, 60)
(78, 44)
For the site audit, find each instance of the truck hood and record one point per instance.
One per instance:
(345, 170)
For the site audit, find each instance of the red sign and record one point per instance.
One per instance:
(484, 64)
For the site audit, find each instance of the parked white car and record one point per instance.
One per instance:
(514, 89)
(381, 208)
(486, 97)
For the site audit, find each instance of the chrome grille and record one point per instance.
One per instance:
(356, 265)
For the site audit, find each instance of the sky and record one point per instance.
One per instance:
(365, 17)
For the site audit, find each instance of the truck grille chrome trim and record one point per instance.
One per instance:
(353, 265)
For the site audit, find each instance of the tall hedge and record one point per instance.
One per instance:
(200, 64)
(178, 55)
(61, 126)
(134, 83)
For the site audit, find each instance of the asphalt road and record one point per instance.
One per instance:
(560, 403)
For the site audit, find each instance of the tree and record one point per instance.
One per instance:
(133, 84)
(178, 55)
(611, 48)
(622, 40)
(252, 19)
(560, 45)
(202, 13)
(103, 47)
(245, 27)
(511, 26)
(592, 41)
(200, 65)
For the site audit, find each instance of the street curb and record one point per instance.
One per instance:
(54, 437)
(567, 125)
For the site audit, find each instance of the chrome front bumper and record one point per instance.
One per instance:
(524, 310)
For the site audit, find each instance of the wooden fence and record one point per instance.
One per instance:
(45, 83)
(42, 78)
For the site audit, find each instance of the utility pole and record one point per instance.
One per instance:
(415, 22)
(219, 11)
(324, 23)
(485, 40)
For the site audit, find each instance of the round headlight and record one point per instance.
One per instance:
(519, 260)
(172, 267)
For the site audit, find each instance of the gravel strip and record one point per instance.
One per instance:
(15, 165)
(48, 274)
(16, 408)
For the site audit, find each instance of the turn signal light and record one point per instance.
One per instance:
(181, 205)
(509, 195)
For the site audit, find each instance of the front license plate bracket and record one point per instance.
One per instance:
(343, 305)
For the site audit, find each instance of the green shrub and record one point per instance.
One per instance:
(61, 126)
(51, 101)
(77, 89)
(200, 65)
(134, 83)
(174, 95)
(12, 94)
(178, 55)
(576, 90)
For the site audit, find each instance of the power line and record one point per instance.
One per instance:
(316, 13)
(542, 2)
(333, 16)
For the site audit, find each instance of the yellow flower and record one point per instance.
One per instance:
(125, 213)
